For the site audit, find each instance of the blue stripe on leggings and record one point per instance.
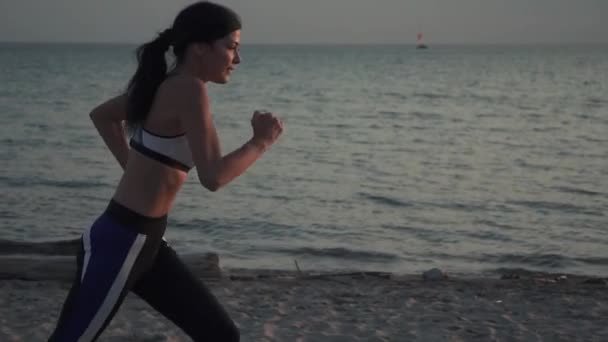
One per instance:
(110, 245)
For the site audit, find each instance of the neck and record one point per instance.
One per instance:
(190, 69)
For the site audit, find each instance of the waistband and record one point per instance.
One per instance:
(140, 223)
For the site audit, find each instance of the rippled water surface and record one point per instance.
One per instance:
(466, 158)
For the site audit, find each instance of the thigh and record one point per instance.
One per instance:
(172, 289)
(109, 262)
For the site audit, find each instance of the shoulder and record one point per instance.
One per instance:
(185, 96)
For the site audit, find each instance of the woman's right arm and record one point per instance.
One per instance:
(215, 170)
(109, 120)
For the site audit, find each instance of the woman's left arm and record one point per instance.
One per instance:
(109, 120)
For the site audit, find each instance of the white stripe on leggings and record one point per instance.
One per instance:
(86, 240)
(115, 290)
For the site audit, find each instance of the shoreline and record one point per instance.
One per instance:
(37, 267)
(30, 260)
(307, 305)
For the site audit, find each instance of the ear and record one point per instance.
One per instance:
(200, 49)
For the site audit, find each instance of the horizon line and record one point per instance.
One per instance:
(319, 43)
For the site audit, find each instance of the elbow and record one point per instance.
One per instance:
(210, 177)
(212, 185)
(94, 116)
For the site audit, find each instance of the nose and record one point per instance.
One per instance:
(237, 58)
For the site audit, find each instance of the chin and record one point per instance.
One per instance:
(221, 80)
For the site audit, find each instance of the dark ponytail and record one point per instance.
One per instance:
(151, 71)
(200, 22)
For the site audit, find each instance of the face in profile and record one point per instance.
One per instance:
(221, 57)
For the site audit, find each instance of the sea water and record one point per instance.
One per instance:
(467, 158)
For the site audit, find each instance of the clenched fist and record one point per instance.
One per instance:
(266, 128)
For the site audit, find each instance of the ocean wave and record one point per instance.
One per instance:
(426, 115)
(30, 182)
(390, 114)
(507, 144)
(542, 261)
(546, 261)
(488, 115)
(451, 235)
(392, 202)
(591, 139)
(556, 206)
(340, 253)
(490, 223)
(482, 98)
(596, 102)
(527, 165)
(468, 207)
(577, 191)
(24, 142)
(549, 261)
(395, 95)
(545, 129)
(432, 96)
(486, 235)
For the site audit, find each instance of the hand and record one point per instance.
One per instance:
(266, 128)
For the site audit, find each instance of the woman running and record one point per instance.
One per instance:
(168, 115)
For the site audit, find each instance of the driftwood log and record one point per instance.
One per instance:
(56, 260)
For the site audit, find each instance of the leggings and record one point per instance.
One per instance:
(123, 251)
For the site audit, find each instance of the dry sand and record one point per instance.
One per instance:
(280, 306)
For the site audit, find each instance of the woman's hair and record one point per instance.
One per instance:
(200, 22)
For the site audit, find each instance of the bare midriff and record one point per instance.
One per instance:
(148, 187)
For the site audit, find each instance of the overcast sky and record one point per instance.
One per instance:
(318, 21)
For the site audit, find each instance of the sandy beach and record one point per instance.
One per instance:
(357, 306)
